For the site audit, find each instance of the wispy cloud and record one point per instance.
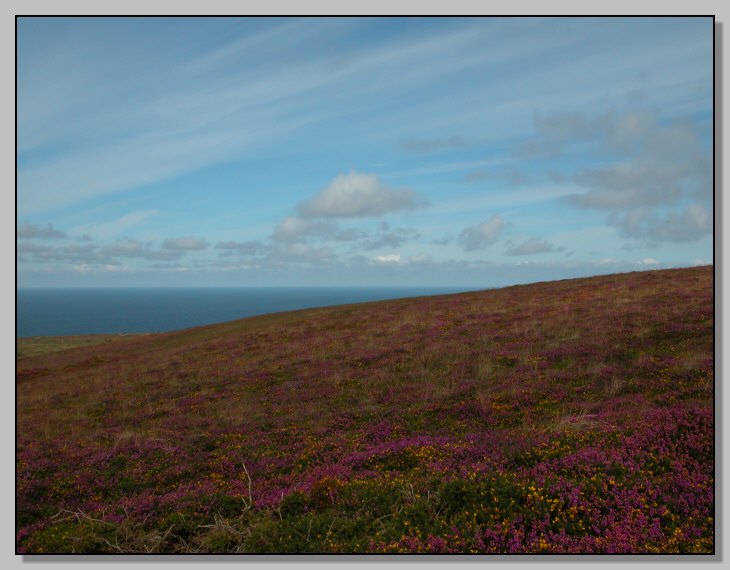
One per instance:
(186, 243)
(299, 253)
(113, 228)
(187, 115)
(132, 248)
(278, 144)
(430, 146)
(511, 176)
(388, 238)
(88, 254)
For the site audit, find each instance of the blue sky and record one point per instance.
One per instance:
(468, 152)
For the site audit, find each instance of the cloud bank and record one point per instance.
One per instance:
(658, 186)
(241, 248)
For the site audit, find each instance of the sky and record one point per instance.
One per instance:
(469, 152)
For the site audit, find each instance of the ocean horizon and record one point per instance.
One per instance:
(77, 311)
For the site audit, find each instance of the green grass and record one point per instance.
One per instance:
(38, 345)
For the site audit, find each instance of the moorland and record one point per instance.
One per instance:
(572, 416)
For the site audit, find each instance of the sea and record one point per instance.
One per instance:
(62, 312)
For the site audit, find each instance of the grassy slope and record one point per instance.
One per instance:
(570, 416)
(37, 345)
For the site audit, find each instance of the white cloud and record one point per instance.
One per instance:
(357, 195)
(691, 223)
(649, 261)
(652, 168)
(187, 243)
(558, 131)
(28, 230)
(482, 234)
(531, 246)
(393, 258)
(241, 248)
(295, 228)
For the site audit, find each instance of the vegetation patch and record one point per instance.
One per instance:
(565, 417)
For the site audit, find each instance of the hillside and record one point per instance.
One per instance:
(34, 346)
(569, 416)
